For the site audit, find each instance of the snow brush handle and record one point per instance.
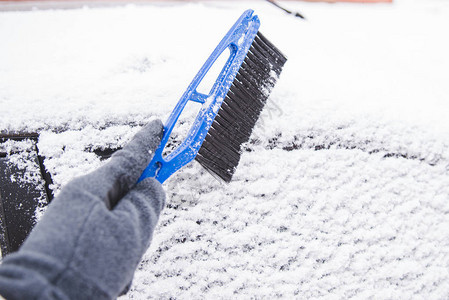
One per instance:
(238, 40)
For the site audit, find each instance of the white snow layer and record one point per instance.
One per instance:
(343, 191)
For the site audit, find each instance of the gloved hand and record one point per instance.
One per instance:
(93, 235)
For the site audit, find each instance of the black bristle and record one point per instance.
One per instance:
(240, 110)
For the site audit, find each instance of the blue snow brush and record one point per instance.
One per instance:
(230, 110)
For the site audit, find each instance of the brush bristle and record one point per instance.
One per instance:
(240, 110)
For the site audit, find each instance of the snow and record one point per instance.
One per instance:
(343, 188)
(25, 170)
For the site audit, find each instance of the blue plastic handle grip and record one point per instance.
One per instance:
(238, 40)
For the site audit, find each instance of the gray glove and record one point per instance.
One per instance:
(82, 248)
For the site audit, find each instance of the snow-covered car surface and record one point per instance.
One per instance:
(343, 189)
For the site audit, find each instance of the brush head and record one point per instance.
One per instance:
(241, 108)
